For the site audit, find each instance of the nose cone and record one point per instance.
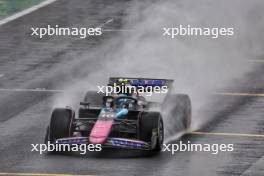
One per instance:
(100, 131)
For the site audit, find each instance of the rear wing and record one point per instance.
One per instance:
(140, 82)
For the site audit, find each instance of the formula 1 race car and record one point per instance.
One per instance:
(122, 120)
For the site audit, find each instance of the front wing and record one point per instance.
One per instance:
(110, 142)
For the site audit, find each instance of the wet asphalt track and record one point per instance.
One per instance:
(26, 62)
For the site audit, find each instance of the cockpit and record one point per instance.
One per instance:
(122, 102)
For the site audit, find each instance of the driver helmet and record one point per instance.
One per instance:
(109, 103)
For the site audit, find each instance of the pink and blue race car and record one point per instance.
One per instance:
(124, 120)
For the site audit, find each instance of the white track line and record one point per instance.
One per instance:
(108, 21)
(26, 11)
(240, 94)
(61, 90)
(113, 30)
(40, 174)
(118, 30)
(32, 90)
(227, 134)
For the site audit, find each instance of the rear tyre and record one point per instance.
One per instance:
(60, 124)
(93, 97)
(46, 139)
(151, 130)
(178, 106)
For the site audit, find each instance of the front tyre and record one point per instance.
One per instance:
(60, 124)
(151, 130)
